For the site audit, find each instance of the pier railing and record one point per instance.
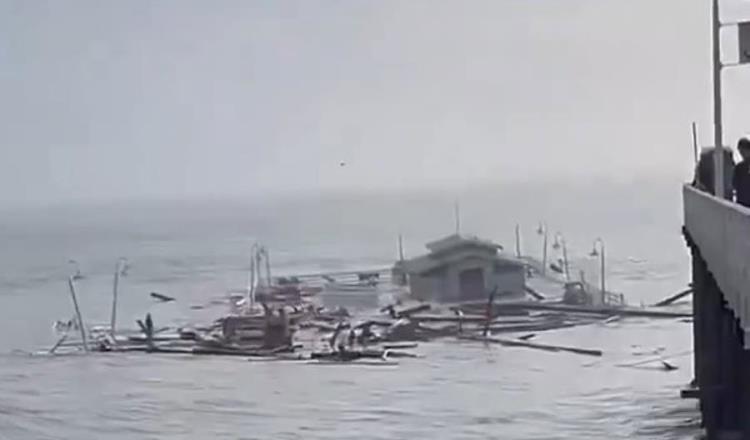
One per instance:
(720, 229)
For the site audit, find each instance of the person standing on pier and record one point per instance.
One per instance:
(741, 177)
(704, 172)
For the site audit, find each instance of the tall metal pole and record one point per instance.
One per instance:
(602, 275)
(400, 248)
(695, 143)
(457, 215)
(268, 267)
(256, 279)
(81, 325)
(518, 241)
(601, 252)
(115, 291)
(251, 279)
(719, 190)
(544, 251)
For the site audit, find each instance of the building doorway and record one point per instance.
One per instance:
(471, 284)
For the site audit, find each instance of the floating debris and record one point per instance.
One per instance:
(161, 297)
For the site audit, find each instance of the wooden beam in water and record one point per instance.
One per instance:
(352, 273)
(544, 347)
(534, 293)
(608, 311)
(674, 298)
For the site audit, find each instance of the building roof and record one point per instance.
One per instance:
(454, 241)
(453, 249)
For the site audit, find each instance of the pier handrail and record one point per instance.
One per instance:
(720, 229)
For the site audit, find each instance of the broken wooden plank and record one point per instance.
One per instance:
(161, 297)
(58, 344)
(545, 347)
(399, 346)
(406, 313)
(674, 298)
(358, 362)
(536, 295)
(608, 311)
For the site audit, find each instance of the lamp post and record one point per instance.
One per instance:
(267, 260)
(518, 241)
(252, 277)
(560, 243)
(120, 270)
(400, 248)
(599, 250)
(542, 231)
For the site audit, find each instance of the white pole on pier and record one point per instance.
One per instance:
(518, 240)
(267, 258)
(400, 247)
(601, 253)
(115, 290)
(695, 143)
(542, 230)
(250, 299)
(719, 190)
(457, 217)
(603, 275)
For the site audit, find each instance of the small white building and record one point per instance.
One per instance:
(459, 268)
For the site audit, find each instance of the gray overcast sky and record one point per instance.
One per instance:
(195, 98)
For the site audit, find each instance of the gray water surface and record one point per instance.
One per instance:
(198, 251)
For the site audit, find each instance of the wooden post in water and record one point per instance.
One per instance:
(71, 285)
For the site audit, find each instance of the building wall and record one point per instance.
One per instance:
(444, 286)
(427, 288)
(509, 279)
(508, 282)
(453, 285)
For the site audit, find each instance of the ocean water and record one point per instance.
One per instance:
(196, 251)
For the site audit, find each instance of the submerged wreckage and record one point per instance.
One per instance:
(464, 289)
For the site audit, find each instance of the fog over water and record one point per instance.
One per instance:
(178, 132)
(181, 99)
